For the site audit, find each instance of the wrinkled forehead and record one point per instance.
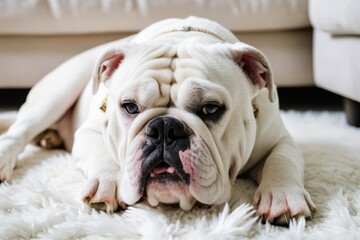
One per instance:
(158, 74)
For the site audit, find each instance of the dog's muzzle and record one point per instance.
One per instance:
(165, 137)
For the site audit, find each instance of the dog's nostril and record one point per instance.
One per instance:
(175, 133)
(152, 132)
(171, 134)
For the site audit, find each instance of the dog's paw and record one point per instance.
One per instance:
(278, 205)
(100, 193)
(8, 156)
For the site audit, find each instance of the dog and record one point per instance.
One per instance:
(172, 115)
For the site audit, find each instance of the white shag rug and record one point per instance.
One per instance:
(43, 199)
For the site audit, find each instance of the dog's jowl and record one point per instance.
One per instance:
(171, 115)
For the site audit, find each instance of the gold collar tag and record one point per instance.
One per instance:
(104, 104)
(255, 110)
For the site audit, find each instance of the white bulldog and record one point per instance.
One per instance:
(172, 115)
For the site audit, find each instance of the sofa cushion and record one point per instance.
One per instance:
(95, 16)
(336, 17)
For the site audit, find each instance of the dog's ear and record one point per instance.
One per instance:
(255, 65)
(106, 66)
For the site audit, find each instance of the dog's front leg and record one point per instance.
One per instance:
(281, 194)
(100, 170)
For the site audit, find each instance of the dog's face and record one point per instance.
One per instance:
(179, 118)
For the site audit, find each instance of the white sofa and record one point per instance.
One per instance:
(37, 35)
(337, 50)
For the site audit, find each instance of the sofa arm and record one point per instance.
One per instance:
(334, 16)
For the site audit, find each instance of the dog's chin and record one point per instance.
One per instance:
(166, 185)
(168, 188)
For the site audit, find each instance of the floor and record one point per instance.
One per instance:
(306, 98)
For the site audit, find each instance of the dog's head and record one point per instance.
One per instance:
(179, 118)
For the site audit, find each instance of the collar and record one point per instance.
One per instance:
(191, 29)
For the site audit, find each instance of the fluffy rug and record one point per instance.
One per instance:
(42, 201)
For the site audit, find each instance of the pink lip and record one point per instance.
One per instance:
(162, 169)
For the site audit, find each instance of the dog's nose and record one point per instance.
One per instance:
(167, 129)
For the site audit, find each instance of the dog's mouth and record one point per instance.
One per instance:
(164, 182)
(167, 184)
(165, 173)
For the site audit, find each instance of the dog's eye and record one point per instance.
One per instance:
(130, 107)
(209, 109)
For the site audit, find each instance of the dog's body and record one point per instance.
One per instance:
(171, 115)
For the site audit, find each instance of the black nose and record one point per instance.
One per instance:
(166, 129)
